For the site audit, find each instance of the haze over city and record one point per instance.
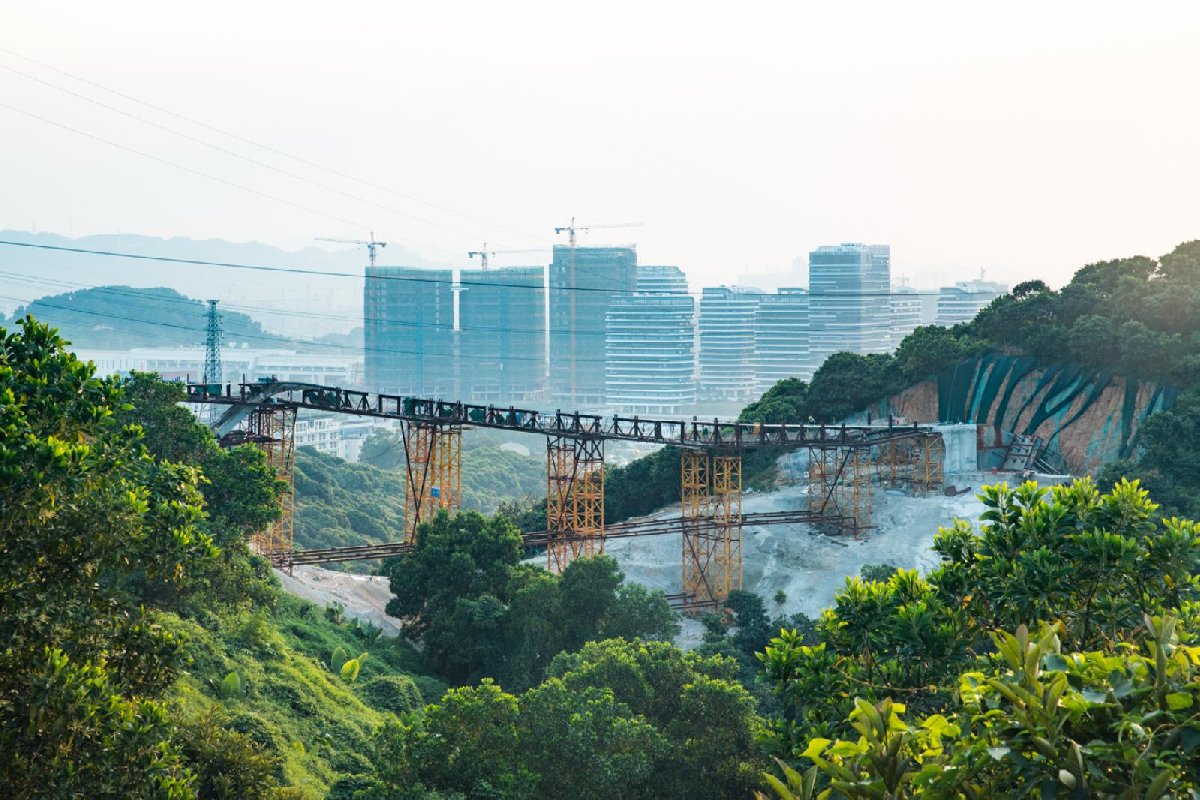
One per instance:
(962, 137)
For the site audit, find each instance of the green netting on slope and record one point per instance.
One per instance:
(1021, 367)
(1128, 409)
(1099, 382)
(1062, 393)
(1000, 375)
(1049, 376)
(953, 385)
(987, 365)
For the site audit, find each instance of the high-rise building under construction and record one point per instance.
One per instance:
(650, 361)
(502, 334)
(584, 281)
(408, 318)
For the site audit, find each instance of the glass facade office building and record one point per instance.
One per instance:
(650, 350)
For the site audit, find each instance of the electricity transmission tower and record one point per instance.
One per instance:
(212, 351)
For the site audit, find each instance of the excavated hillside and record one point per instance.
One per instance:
(1085, 418)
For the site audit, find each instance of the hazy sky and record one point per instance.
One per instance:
(1027, 138)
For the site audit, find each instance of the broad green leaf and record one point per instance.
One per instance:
(1177, 701)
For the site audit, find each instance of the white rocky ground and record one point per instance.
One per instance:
(808, 568)
(364, 597)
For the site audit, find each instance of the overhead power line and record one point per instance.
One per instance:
(261, 146)
(135, 294)
(211, 177)
(275, 340)
(234, 154)
(403, 278)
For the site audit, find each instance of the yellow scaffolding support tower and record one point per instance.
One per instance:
(727, 521)
(894, 467)
(711, 503)
(822, 477)
(574, 499)
(929, 465)
(273, 430)
(447, 488)
(420, 455)
(854, 489)
(698, 539)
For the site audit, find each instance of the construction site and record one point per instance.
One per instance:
(850, 494)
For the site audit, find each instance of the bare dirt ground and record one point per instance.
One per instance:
(364, 597)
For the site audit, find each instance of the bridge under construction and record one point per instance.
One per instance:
(844, 462)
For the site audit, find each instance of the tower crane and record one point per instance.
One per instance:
(485, 254)
(572, 229)
(371, 244)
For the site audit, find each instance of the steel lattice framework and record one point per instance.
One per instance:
(844, 462)
(711, 506)
(574, 499)
(698, 538)
(433, 474)
(273, 430)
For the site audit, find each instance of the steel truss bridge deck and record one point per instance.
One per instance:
(712, 433)
(844, 462)
(620, 530)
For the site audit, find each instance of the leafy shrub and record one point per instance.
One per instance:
(396, 693)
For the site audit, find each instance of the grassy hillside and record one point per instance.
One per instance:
(291, 703)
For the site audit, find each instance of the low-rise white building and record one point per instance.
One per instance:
(187, 363)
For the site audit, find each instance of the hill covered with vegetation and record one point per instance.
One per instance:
(146, 653)
(122, 318)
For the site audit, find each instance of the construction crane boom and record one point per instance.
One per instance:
(572, 229)
(371, 244)
(485, 254)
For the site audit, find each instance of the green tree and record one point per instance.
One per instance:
(930, 349)
(383, 449)
(468, 743)
(611, 752)
(240, 492)
(1036, 723)
(480, 612)
(1091, 563)
(84, 507)
(782, 403)
(848, 382)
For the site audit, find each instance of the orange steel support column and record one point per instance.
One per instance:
(727, 524)
(420, 453)
(449, 468)
(273, 429)
(854, 490)
(697, 530)
(929, 470)
(574, 499)
(822, 471)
